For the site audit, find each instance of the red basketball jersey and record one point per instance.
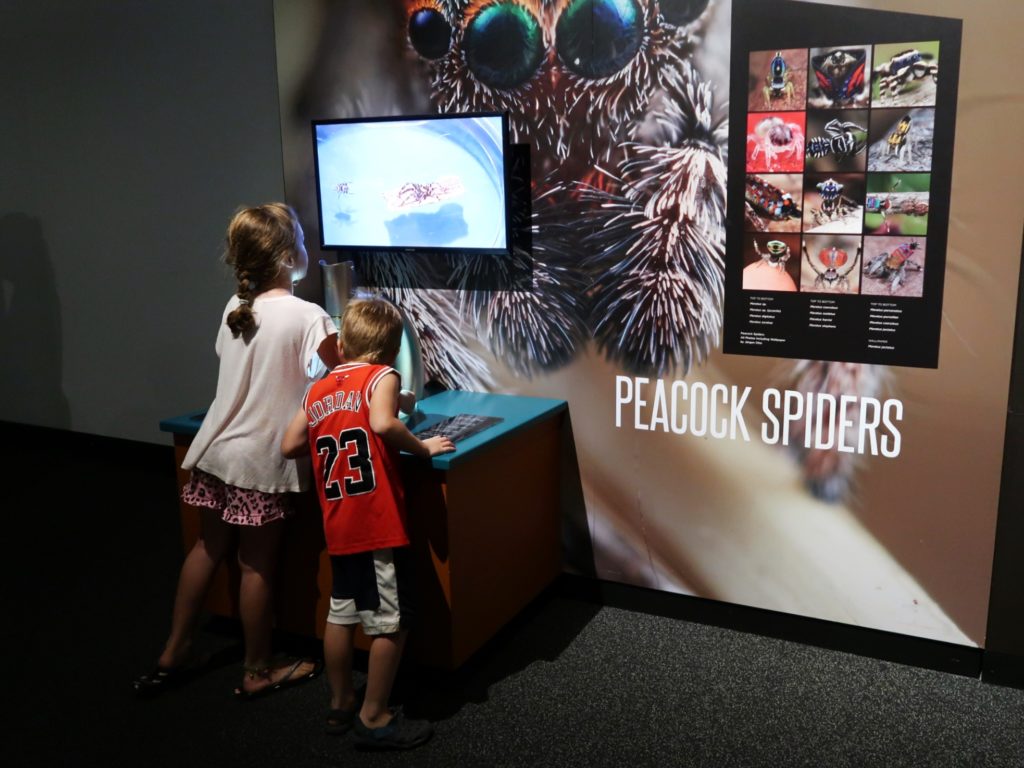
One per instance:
(355, 473)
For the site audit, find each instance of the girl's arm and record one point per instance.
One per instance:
(295, 441)
(328, 351)
(406, 401)
(384, 422)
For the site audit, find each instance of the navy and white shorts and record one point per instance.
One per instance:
(372, 589)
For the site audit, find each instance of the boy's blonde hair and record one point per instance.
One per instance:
(371, 331)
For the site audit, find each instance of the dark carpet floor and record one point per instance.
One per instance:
(89, 571)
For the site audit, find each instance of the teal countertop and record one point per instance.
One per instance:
(515, 411)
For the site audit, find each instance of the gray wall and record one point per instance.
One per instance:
(129, 133)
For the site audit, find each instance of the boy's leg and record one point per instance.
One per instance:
(215, 537)
(338, 643)
(386, 622)
(385, 656)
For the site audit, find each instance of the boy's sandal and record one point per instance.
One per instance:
(399, 733)
(339, 721)
(290, 678)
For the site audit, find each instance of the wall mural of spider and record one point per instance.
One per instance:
(622, 104)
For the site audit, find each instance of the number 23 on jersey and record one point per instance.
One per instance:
(356, 471)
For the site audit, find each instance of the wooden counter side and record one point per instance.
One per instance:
(504, 533)
(426, 493)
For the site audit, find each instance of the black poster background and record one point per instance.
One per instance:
(759, 26)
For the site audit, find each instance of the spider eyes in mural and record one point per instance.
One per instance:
(571, 73)
(578, 79)
(504, 45)
(597, 38)
(840, 75)
(430, 33)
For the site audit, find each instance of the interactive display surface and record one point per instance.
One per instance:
(458, 427)
(434, 183)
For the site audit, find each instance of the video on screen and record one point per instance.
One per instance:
(433, 183)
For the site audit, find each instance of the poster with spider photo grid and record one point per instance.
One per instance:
(840, 158)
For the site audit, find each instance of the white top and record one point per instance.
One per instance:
(259, 387)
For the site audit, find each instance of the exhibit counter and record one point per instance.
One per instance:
(484, 523)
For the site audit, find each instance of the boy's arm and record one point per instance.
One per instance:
(294, 443)
(384, 422)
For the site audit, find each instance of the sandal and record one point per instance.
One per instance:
(160, 678)
(290, 678)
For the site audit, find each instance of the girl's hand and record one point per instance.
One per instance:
(406, 401)
(438, 445)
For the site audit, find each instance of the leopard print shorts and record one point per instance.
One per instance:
(238, 506)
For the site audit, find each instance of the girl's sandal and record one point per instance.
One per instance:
(160, 678)
(339, 721)
(291, 677)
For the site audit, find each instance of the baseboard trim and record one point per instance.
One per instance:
(888, 646)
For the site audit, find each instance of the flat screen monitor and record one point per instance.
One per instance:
(431, 183)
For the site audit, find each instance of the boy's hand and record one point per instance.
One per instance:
(438, 445)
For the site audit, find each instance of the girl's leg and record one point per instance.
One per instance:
(338, 644)
(385, 656)
(215, 538)
(258, 550)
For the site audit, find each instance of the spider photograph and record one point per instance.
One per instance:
(771, 263)
(830, 264)
(897, 204)
(901, 140)
(773, 202)
(777, 80)
(905, 74)
(775, 142)
(836, 141)
(833, 203)
(893, 266)
(839, 77)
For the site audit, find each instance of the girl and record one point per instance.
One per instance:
(270, 345)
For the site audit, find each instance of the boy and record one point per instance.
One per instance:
(349, 423)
